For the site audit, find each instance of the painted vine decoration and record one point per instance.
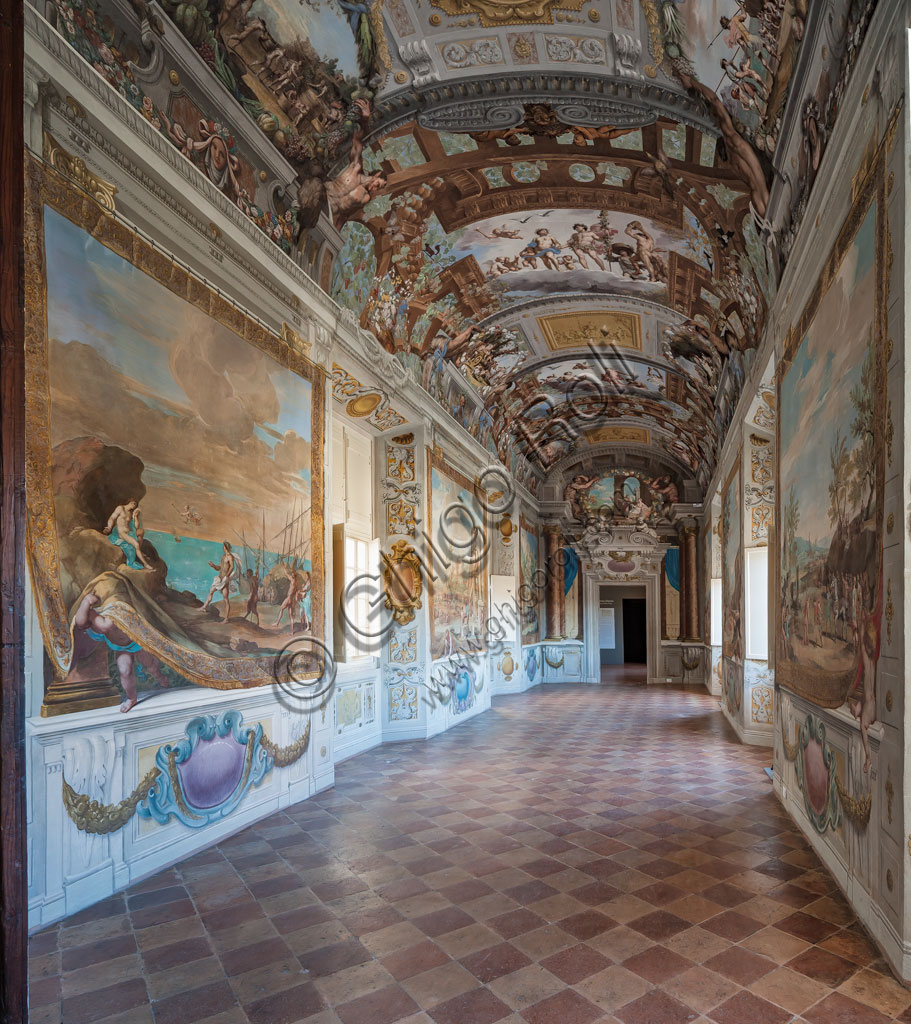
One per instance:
(283, 757)
(99, 819)
(554, 664)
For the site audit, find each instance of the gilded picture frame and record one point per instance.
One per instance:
(46, 189)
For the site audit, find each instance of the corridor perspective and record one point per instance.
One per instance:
(577, 854)
(455, 460)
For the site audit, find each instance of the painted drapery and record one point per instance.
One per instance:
(174, 484)
(831, 424)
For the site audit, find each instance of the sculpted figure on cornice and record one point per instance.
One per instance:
(274, 63)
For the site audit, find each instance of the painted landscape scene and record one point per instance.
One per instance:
(181, 474)
(830, 533)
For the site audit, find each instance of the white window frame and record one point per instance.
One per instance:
(756, 589)
(716, 613)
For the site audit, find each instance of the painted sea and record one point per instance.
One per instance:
(188, 561)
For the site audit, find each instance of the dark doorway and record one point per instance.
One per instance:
(634, 627)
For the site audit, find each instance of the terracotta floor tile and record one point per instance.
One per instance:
(806, 927)
(747, 1008)
(822, 966)
(194, 1004)
(656, 1008)
(657, 964)
(697, 944)
(385, 1006)
(439, 984)
(480, 1006)
(776, 945)
(288, 1007)
(840, 1009)
(852, 946)
(732, 925)
(659, 925)
(740, 965)
(415, 960)
(542, 942)
(494, 962)
(526, 986)
(566, 1007)
(464, 941)
(587, 924)
(878, 991)
(575, 963)
(789, 989)
(700, 989)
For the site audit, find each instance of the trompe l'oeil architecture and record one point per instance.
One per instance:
(375, 360)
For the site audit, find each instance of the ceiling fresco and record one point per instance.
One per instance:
(560, 216)
(481, 256)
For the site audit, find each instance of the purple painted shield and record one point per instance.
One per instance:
(212, 772)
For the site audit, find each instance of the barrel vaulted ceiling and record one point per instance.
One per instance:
(556, 213)
(568, 250)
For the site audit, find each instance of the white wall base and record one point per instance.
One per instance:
(754, 735)
(870, 914)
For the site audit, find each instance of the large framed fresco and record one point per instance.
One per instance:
(530, 591)
(830, 474)
(732, 565)
(174, 464)
(458, 530)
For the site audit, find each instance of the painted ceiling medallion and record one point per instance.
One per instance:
(363, 405)
(508, 12)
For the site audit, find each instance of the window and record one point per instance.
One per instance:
(355, 553)
(715, 638)
(757, 603)
(360, 587)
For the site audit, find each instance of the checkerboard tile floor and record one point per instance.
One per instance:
(576, 855)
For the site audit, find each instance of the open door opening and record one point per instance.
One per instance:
(635, 648)
(623, 633)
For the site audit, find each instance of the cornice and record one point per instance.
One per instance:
(497, 101)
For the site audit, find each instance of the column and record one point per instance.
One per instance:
(556, 607)
(689, 583)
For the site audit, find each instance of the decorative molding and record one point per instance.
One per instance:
(416, 57)
(403, 581)
(163, 791)
(615, 100)
(491, 14)
(837, 798)
(74, 168)
(364, 401)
